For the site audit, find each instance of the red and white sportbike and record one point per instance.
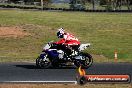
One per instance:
(53, 55)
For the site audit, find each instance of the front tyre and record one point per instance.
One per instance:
(41, 63)
(86, 61)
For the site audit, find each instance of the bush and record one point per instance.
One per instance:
(103, 2)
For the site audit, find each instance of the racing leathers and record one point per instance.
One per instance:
(68, 43)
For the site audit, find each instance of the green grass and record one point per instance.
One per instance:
(60, 5)
(105, 31)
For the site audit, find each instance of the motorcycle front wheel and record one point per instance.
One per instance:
(85, 62)
(42, 63)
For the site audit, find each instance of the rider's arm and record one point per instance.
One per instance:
(62, 41)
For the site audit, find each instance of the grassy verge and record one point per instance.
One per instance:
(105, 31)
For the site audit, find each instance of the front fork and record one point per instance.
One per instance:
(44, 56)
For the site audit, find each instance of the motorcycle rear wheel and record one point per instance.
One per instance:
(84, 63)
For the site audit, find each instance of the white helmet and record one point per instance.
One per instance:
(60, 33)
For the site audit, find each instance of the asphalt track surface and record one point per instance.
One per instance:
(28, 72)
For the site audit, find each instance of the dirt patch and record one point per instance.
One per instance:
(13, 32)
(65, 86)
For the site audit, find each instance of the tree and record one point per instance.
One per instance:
(93, 3)
(77, 4)
(128, 4)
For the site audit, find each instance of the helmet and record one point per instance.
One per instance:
(60, 33)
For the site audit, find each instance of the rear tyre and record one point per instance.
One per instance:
(86, 61)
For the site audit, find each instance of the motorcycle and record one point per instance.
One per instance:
(51, 53)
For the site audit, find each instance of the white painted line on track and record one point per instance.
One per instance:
(52, 82)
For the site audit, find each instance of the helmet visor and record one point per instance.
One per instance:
(60, 35)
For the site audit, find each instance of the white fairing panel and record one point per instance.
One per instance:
(84, 46)
(47, 46)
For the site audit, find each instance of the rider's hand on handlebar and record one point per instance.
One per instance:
(54, 44)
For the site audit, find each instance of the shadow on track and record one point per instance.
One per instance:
(27, 66)
(35, 67)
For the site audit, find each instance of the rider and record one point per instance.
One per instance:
(68, 41)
